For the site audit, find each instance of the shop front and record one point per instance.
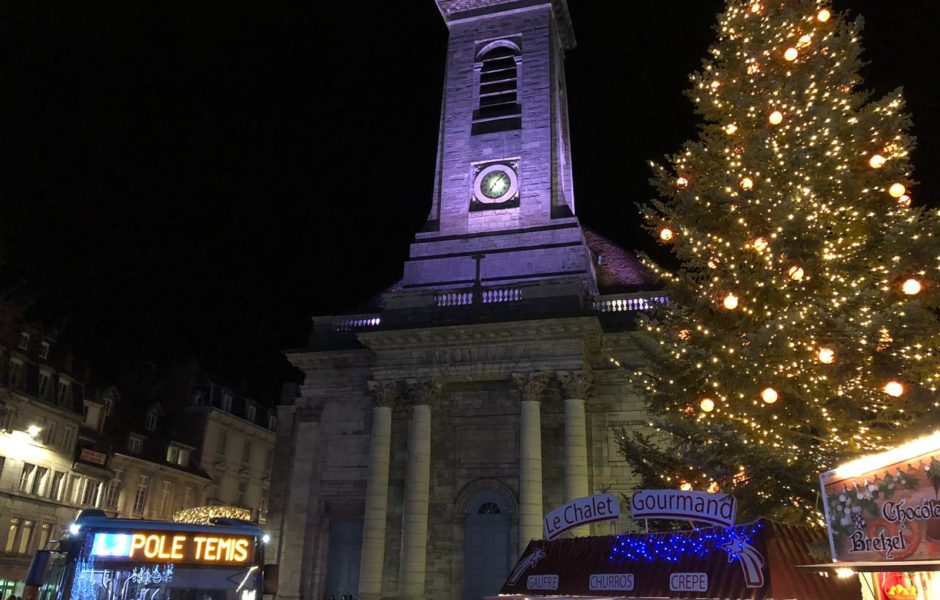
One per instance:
(883, 516)
(754, 561)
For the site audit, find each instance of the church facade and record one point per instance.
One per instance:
(435, 428)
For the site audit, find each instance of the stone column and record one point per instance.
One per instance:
(414, 537)
(376, 510)
(575, 388)
(531, 510)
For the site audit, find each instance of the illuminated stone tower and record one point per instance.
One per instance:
(438, 424)
(503, 184)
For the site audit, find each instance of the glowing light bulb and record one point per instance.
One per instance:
(712, 264)
(790, 54)
(877, 161)
(775, 117)
(682, 183)
(897, 190)
(713, 488)
(665, 234)
(747, 183)
(893, 389)
(760, 244)
(715, 84)
(755, 7)
(730, 302)
(730, 128)
(685, 486)
(753, 68)
(769, 395)
(911, 287)
(823, 15)
(707, 405)
(826, 355)
(796, 273)
(805, 40)
(904, 200)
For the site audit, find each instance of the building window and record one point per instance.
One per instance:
(251, 412)
(184, 457)
(140, 497)
(90, 492)
(242, 490)
(272, 422)
(150, 421)
(166, 492)
(26, 534)
(26, 477)
(40, 480)
(44, 353)
(222, 440)
(6, 418)
(263, 507)
(66, 439)
(45, 532)
(227, 402)
(24, 341)
(47, 432)
(16, 375)
(498, 106)
(172, 454)
(113, 493)
(188, 498)
(44, 379)
(246, 454)
(135, 444)
(57, 487)
(62, 391)
(78, 489)
(269, 460)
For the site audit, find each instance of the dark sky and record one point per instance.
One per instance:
(199, 178)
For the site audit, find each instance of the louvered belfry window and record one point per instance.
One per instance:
(498, 98)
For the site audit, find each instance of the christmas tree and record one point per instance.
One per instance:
(802, 328)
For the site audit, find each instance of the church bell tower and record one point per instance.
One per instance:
(503, 210)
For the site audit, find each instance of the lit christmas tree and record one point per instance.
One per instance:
(803, 326)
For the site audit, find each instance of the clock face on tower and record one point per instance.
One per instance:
(495, 185)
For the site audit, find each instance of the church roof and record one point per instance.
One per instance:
(618, 270)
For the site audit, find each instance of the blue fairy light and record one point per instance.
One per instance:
(673, 547)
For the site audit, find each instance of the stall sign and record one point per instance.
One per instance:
(886, 507)
(176, 547)
(715, 509)
(688, 582)
(581, 512)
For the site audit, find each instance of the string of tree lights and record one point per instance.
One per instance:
(803, 326)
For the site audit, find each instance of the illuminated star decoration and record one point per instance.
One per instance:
(752, 563)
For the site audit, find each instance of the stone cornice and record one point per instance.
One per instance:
(456, 10)
(511, 332)
(310, 360)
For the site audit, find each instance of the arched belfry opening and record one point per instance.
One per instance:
(487, 544)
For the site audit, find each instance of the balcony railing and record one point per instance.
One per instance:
(479, 296)
(629, 302)
(351, 322)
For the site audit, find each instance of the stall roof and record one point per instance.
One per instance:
(907, 566)
(755, 561)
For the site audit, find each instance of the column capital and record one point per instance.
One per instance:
(386, 393)
(424, 391)
(532, 385)
(576, 384)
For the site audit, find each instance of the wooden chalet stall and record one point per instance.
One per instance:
(754, 561)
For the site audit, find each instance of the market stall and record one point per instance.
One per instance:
(883, 516)
(754, 561)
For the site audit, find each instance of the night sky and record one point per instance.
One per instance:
(187, 178)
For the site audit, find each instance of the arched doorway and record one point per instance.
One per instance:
(487, 548)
